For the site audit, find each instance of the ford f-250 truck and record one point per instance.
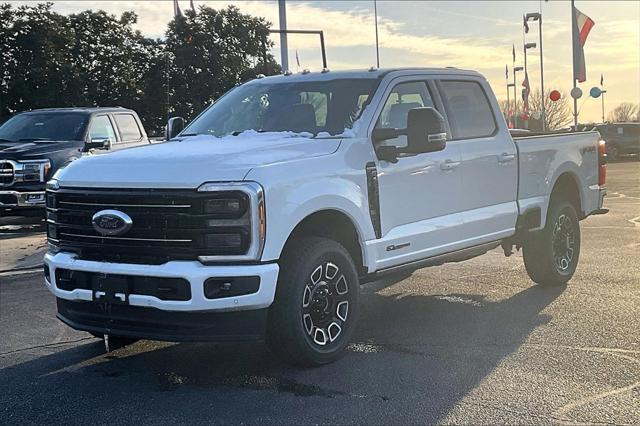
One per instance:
(265, 214)
(34, 144)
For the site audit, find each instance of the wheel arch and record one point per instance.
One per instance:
(336, 225)
(566, 187)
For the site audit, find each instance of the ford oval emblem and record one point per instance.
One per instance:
(111, 222)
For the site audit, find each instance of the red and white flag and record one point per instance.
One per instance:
(582, 25)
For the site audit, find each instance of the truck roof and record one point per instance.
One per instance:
(366, 73)
(82, 110)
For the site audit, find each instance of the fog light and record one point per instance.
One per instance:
(218, 288)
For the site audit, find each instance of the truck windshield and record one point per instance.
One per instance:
(51, 127)
(327, 107)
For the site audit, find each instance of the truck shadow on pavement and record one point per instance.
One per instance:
(414, 358)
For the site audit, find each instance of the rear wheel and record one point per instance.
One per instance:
(612, 152)
(314, 313)
(551, 255)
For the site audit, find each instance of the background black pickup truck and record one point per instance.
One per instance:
(621, 138)
(34, 144)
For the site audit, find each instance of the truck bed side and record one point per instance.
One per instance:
(544, 160)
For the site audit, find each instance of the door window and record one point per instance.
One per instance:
(128, 126)
(470, 113)
(101, 128)
(403, 97)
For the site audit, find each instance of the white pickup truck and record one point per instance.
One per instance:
(262, 217)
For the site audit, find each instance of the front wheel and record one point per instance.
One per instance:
(314, 313)
(551, 255)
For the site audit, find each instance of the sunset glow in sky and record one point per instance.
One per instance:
(466, 34)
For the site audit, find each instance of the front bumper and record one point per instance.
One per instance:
(193, 272)
(18, 199)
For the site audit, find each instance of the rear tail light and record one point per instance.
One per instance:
(602, 162)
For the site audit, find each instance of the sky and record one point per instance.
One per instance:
(466, 34)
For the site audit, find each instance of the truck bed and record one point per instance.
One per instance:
(543, 158)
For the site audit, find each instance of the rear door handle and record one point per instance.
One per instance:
(506, 157)
(449, 164)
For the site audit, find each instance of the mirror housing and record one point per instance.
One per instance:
(426, 131)
(97, 143)
(174, 126)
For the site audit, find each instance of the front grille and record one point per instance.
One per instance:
(7, 173)
(167, 225)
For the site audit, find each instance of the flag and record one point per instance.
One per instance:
(506, 72)
(601, 79)
(193, 6)
(526, 25)
(176, 9)
(297, 59)
(513, 53)
(582, 24)
(525, 92)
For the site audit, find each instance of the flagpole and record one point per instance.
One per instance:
(375, 11)
(573, 44)
(544, 126)
(603, 92)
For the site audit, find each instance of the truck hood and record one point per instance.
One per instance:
(189, 162)
(40, 149)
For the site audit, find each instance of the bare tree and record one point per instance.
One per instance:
(626, 111)
(557, 114)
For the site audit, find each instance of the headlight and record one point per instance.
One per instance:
(32, 170)
(235, 214)
(227, 207)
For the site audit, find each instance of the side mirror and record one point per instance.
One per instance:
(174, 126)
(97, 143)
(426, 131)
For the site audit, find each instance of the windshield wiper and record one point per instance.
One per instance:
(189, 134)
(5, 140)
(33, 139)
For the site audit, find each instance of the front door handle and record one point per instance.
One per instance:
(449, 164)
(506, 157)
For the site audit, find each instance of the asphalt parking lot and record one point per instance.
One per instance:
(474, 342)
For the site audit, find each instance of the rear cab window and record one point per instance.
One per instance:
(468, 109)
(128, 127)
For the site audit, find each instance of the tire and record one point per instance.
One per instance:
(551, 255)
(316, 303)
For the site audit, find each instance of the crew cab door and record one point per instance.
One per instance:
(418, 195)
(129, 130)
(489, 167)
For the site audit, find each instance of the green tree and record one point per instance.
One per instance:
(212, 51)
(35, 61)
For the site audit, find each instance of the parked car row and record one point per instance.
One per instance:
(262, 217)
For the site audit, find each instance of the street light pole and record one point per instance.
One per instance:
(515, 99)
(511, 114)
(538, 17)
(603, 92)
(284, 46)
